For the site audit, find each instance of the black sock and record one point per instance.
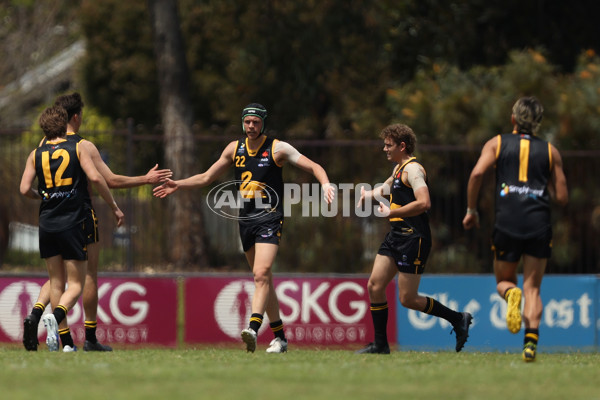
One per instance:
(531, 336)
(38, 310)
(65, 337)
(379, 313)
(90, 331)
(437, 309)
(256, 321)
(60, 313)
(277, 329)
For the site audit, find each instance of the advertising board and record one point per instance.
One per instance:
(568, 319)
(315, 310)
(137, 311)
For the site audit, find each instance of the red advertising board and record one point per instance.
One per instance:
(131, 311)
(315, 310)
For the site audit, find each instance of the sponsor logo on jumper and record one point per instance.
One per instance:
(505, 190)
(59, 195)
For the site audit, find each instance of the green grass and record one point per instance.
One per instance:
(231, 373)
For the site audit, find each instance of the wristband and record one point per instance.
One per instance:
(472, 211)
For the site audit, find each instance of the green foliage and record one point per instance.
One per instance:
(332, 69)
(446, 105)
(578, 105)
(93, 121)
(119, 69)
(294, 57)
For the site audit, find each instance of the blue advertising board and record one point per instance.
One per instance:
(570, 320)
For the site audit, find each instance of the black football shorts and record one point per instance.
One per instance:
(409, 253)
(90, 225)
(510, 249)
(70, 243)
(264, 232)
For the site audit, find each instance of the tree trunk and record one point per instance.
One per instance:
(186, 232)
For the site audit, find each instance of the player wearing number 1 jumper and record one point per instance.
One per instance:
(529, 173)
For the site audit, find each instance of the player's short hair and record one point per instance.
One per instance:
(528, 113)
(53, 122)
(70, 102)
(401, 133)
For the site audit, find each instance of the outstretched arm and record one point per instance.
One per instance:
(199, 180)
(113, 180)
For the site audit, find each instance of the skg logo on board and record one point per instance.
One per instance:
(120, 324)
(327, 313)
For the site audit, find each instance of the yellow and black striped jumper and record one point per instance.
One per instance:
(260, 185)
(523, 165)
(409, 244)
(523, 168)
(63, 186)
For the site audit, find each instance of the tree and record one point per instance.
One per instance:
(187, 245)
(119, 69)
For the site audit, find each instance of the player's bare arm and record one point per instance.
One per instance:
(413, 176)
(284, 152)
(99, 183)
(27, 179)
(558, 181)
(377, 192)
(113, 180)
(199, 180)
(486, 160)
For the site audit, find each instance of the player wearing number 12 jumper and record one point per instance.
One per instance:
(73, 104)
(62, 168)
(529, 172)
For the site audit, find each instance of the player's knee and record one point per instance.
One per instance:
(262, 277)
(75, 289)
(408, 301)
(375, 288)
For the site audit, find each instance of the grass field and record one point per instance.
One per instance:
(228, 373)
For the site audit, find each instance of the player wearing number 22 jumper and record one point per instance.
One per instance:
(257, 162)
